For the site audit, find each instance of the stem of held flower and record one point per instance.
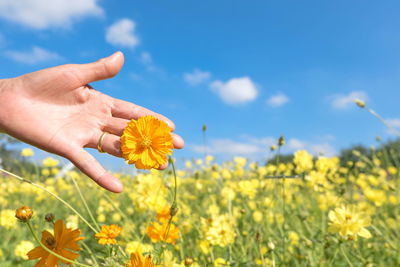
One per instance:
(173, 205)
(85, 204)
(54, 195)
(52, 252)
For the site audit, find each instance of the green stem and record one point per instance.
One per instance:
(91, 254)
(345, 256)
(85, 204)
(51, 251)
(173, 205)
(54, 195)
(379, 117)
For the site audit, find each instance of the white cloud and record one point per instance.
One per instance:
(346, 101)
(394, 128)
(394, 122)
(236, 90)
(196, 77)
(258, 148)
(277, 100)
(146, 58)
(316, 149)
(122, 33)
(228, 147)
(43, 14)
(35, 56)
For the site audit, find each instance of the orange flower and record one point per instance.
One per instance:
(24, 213)
(146, 142)
(163, 232)
(137, 260)
(64, 243)
(164, 214)
(108, 234)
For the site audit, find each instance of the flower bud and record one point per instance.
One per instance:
(24, 213)
(281, 141)
(188, 261)
(360, 103)
(49, 217)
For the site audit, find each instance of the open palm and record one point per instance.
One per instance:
(56, 110)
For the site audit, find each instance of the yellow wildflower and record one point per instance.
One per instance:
(108, 234)
(50, 162)
(303, 161)
(22, 249)
(27, 152)
(7, 219)
(349, 223)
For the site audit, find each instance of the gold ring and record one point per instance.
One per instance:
(100, 143)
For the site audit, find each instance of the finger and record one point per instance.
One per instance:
(126, 110)
(92, 168)
(163, 167)
(102, 69)
(177, 141)
(115, 126)
(108, 142)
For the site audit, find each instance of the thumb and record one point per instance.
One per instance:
(92, 168)
(104, 68)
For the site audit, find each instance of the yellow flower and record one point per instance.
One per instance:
(219, 230)
(349, 223)
(7, 219)
(163, 231)
(72, 221)
(108, 234)
(135, 246)
(27, 152)
(137, 260)
(219, 262)
(146, 142)
(257, 216)
(294, 238)
(169, 260)
(50, 162)
(22, 249)
(64, 243)
(303, 161)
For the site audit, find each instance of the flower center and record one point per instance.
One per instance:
(146, 142)
(51, 242)
(348, 217)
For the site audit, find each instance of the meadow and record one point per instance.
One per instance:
(306, 211)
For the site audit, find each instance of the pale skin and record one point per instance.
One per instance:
(56, 110)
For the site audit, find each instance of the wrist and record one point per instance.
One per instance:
(3, 88)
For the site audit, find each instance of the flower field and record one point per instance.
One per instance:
(309, 211)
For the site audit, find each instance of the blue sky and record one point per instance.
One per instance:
(250, 70)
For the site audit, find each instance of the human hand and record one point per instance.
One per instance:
(56, 110)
